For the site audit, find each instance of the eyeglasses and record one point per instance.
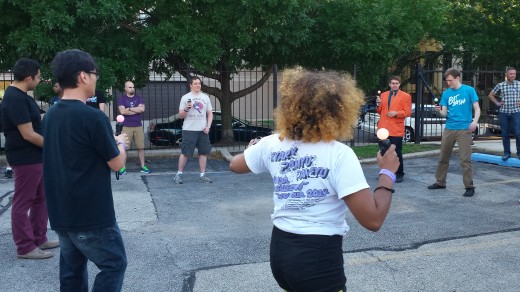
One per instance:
(95, 73)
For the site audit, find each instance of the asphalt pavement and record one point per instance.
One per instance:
(215, 237)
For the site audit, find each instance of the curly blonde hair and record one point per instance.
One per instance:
(317, 106)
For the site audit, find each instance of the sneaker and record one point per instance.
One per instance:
(506, 157)
(122, 170)
(469, 193)
(436, 186)
(36, 254)
(8, 173)
(145, 169)
(204, 178)
(178, 178)
(50, 244)
(399, 179)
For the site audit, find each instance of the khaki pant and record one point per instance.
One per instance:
(463, 138)
(136, 134)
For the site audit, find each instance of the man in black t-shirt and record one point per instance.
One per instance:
(98, 100)
(79, 152)
(21, 123)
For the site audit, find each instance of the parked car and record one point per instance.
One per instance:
(369, 106)
(432, 123)
(168, 131)
(492, 123)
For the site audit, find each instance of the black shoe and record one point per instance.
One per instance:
(399, 179)
(506, 157)
(436, 186)
(469, 193)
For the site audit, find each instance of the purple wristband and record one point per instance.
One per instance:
(388, 173)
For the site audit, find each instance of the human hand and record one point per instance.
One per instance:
(188, 104)
(473, 126)
(390, 160)
(122, 138)
(437, 108)
(378, 100)
(254, 141)
(392, 114)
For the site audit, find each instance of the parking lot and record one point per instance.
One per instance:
(215, 237)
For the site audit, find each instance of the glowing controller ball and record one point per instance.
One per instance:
(120, 119)
(382, 134)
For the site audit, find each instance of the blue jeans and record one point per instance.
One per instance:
(508, 123)
(104, 247)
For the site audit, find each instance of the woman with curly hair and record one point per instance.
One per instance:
(316, 179)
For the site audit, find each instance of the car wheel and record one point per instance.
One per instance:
(409, 135)
(160, 138)
(176, 141)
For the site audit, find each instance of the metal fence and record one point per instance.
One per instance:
(162, 98)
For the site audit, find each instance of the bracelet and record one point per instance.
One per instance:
(497, 103)
(186, 110)
(124, 144)
(382, 187)
(388, 173)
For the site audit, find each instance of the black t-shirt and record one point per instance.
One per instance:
(78, 143)
(19, 108)
(95, 100)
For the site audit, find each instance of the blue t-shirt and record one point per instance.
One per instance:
(460, 106)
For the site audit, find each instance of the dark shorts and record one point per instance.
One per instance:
(192, 139)
(307, 262)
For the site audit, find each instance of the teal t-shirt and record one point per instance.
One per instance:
(460, 106)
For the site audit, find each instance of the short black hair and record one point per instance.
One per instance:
(24, 68)
(67, 65)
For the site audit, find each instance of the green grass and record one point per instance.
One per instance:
(370, 151)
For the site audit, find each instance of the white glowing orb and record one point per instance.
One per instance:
(382, 134)
(436, 100)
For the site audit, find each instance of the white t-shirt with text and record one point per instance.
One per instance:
(310, 180)
(196, 118)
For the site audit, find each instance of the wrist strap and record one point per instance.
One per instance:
(382, 187)
(388, 173)
(186, 110)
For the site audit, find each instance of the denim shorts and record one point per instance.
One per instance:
(307, 262)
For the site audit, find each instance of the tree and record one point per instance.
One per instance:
(486, 31)
(217, 38)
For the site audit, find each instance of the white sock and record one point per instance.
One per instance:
(202, 174)
(179, 172)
